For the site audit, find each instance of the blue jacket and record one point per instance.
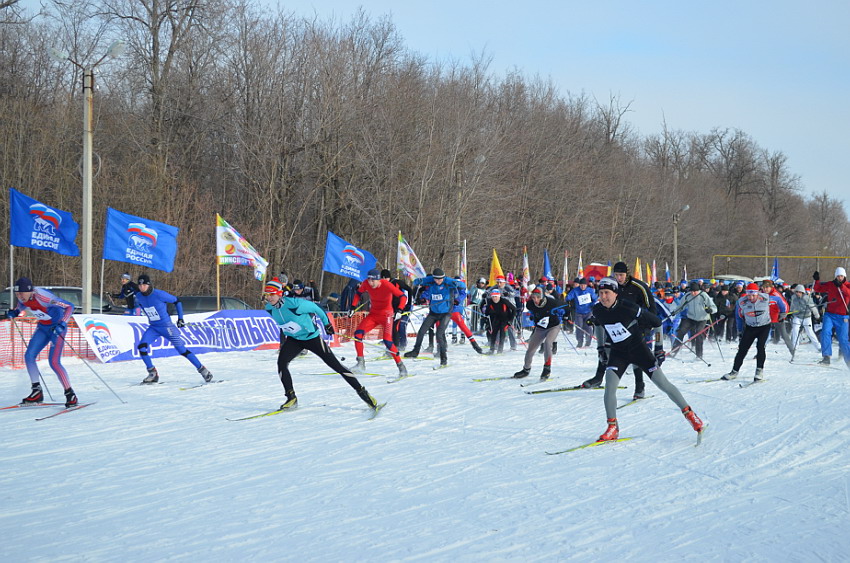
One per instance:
(442, 295)
(155, 306)
(578, 295)
(295, 317)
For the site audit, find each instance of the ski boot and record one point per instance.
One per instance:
(291, 401)
(824, 361)
(205, 373)
(463, 339)
(612, 432)
(429, 349)
(692, 417)
(412, 354)
(544, 375)
(730, 376)
(402, 369)
(591, 384)
(454, 338)
(36, 396)
(70, 398)
(522, 373)
(759, 374)
(475, 346)
(367, 398)
(639, 395)
(152, 377)
(361, 365)
(554, 348)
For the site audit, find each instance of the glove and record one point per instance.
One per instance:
(590, 321)
(660, 356)
(397, 316)
(59, 328)
(709, 311)
(180, 323)
(329, 329)
(816, 276)
(12, 313)
(601, 355)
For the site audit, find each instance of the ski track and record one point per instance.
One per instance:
(450, 469)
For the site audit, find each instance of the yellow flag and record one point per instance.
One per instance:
(636, 272)
(495, 269)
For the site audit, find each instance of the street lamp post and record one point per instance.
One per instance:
(766, 243)
(114, 50)
(676, 240)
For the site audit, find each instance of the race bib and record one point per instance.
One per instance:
(584, 299)
(40, 315)
(152, 313)
(617, 332)
(543, 323)
(437, 297)
(290, 327)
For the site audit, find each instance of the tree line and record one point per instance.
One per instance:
(290, 127)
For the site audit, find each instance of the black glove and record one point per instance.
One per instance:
(180, 323)
(659, 354)
(329, 329)
(601, 355)
(816, 276)
(59, 328)
(590, 321)
(12, 313)
(709, 311)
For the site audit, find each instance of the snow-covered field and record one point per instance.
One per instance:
(451, 469)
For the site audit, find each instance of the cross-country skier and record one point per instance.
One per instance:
(698, 307)
(500, 313)
(583, 298)
(753, 314)
(804, 309)
(441, 291)
(53, 315)
(546, 313)
(835, 317)
(295, 317)
(128, 292)
(381, 314)
(154, 303)
(457, 318)
(621, 326)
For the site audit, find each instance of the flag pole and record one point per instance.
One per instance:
(100, 295)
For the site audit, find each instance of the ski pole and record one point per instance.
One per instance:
(41, 377)
(564, 334)
(716, 341)
(62, 336)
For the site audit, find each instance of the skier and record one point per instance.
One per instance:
(500, 313)
(583, 298)
(128, 293)
(381, 314)
(401, 313)
(53, 315)
(804, 309)
(780, 328)
(477, 295)
(154, 304)
(441, 291)
(457, 317)
(302, 291)
(835, 317)
(753, 313)
(508, 294)
(546, 314)
(725, 303)
(295, 317)
(699, 307)
(621, 325)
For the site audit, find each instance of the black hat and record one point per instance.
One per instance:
(609, 283)
(438, 273)
(620, 267)
(144, 279)
(694, 286)
(582, 281)
(373, 274)
(23, 285)
(386, 274)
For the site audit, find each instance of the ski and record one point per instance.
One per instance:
(262, 414)
(538, 382)
(356, 374)
(400, 378)
(559, 389)
(708, 380)
(31, 406)
(204, 384)
(67, 409)
(441, 366)
(590, 445)
(376, 410)
(815, 364)
(633, 401)
(748, 383)
(502, 378)
(700, 433)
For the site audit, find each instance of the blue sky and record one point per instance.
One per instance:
(778, 70)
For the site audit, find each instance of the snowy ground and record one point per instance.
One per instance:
(451, 469)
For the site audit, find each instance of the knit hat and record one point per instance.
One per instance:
(386, 274)
(126, 277)
(582, 281)
(538, 291)
(273, 287)
(800, 288)
(495, 292)
(620, 267)
(23, 285)
(373, 274)
(609, 283)
(839, 271)
(144, 279)
(694, 286)
(438, 273)
(752, 287)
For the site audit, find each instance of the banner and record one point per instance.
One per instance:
(232, 248)
(114, 338)
(666, 272)
(526, 271)
(774, 272)
(139, 241)
(580, 271)
(347, 260)
(566, 279)
(495, 269)
(654, 272)
(35, 225)
(463, 267)
(408, 263)
(636, 273)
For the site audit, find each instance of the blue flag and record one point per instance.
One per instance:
(346, 259)
(547, 266)
(35, 225)
(774, 274)
(139, 241)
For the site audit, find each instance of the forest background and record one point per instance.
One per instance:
(291, 127)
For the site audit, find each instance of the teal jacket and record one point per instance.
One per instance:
(295, 317)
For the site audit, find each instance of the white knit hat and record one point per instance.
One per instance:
(839, 271)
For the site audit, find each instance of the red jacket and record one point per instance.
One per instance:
(774, 311)
(837, 296)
